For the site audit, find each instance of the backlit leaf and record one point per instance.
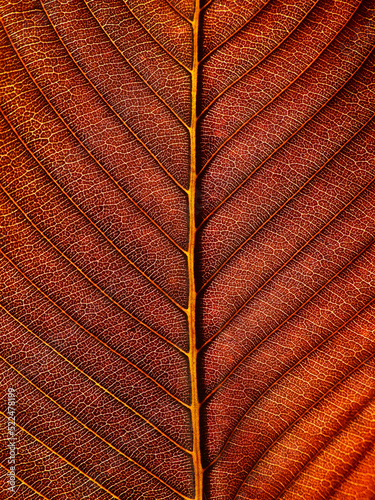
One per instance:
(187, 249)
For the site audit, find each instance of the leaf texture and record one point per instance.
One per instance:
(187, 251)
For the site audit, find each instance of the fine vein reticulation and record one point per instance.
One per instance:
(187, 210)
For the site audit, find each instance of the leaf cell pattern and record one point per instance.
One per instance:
(187, 253)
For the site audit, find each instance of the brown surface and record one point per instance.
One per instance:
(256, 381)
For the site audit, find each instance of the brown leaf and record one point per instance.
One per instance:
(187, 256)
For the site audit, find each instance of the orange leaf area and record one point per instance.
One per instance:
(187, 252)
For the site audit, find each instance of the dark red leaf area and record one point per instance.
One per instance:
(41, 461)
(97, 128)
(158, 69)
(286, 256)
(79, 448)
(122, 124)
(221, 20)
(286, 261)
(94, 229)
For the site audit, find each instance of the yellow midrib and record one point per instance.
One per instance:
(198, 470)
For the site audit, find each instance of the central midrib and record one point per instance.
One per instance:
(193, 352)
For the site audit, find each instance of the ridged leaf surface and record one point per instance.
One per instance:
(187, 252)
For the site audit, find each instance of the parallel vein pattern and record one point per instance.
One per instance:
(95, 220)
(187, 250)
(286, 252)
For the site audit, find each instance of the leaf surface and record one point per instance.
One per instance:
(188, 261)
